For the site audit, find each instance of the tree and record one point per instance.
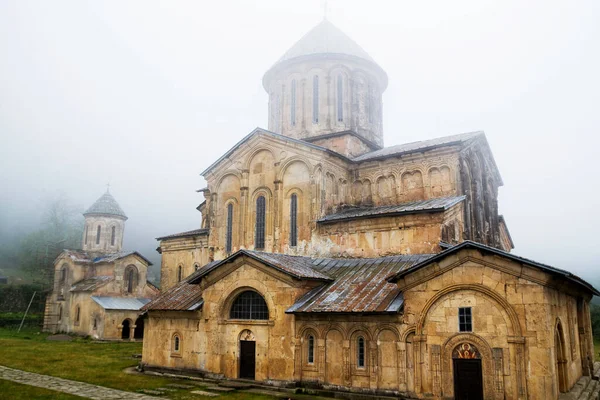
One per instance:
(61, 228)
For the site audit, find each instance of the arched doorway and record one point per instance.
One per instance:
(468, 375)
(247, 355)
(138, 332)
(560, 357)
(125, 331)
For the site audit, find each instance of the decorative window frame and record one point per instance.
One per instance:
(176, 345)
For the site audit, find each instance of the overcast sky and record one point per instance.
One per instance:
(146, 94)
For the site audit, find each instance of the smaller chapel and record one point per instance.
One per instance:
(99, 290)
(326, 260)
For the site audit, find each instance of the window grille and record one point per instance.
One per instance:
(228, 235)
(176, 343)
(465, 319)
(361, 352)
(249, 305)
(259, 237)
(311, 349)
(294, 220)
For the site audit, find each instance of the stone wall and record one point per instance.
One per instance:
(187, 253)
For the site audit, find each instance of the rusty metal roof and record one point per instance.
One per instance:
(90, 284)
(491, 250)
(195, 232)
(83, 257)
(360, 285)
(413, 207)
(419, 146)
(356, 285)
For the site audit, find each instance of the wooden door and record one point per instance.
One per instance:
(468, 380)
(247, 359)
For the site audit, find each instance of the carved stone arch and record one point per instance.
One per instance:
(340, 68)
(336, 327)
(231, 200)
(411, 329)
(265, 191)
(447, 381)
(290, 161)
(386, 327)
(293, 190)
(360, 329)
(235, 289)
(253, 153)
(225, 175)
(246, 335)
(514, 327)
(310, 328)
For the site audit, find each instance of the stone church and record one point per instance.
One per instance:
(326, 259)
(99, 290)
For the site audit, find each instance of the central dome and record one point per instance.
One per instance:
(325, 38)
(325, 85)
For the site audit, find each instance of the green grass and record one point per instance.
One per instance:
(86, 361)
(16, 391)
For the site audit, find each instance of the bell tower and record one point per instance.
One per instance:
(327, 90)
(104, 226)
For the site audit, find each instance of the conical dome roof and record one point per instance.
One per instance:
(106, 205)
(325, 38)
(324, 41)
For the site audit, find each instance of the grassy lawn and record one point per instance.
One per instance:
(83, 360)
(16, 391)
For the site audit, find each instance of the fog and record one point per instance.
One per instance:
(144, 95)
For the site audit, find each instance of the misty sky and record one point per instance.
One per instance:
(146, 94)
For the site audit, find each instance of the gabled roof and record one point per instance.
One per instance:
(491, 250)
(106, 205)
(120, 303)
(360, 285)
(195, 232)
(413, 207)
(260, 131)
(295, 266)
(90, 284)
(83, 257)
(423, 145)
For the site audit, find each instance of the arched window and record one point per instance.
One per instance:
(95, 323)
(294, 220)
(369, 105)
(131, 278)
(196, 267)
(259, 234)
(340, 98)
(249, 305)
(229, 233)
(176, 344)
(60, 313)
(77, 314)
(112, 235)
(86, 233)
(293, 103)
(179, 273)
(311, 349)
(315, 99)
(360, 350)
(98, 234)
